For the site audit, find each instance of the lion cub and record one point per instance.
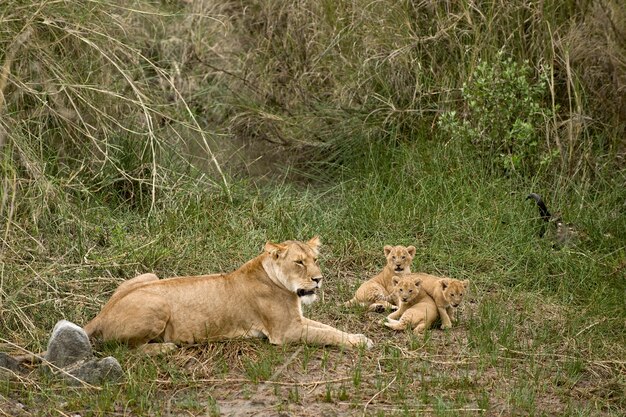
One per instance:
(448, 294)
(374, 292)
(417, 309)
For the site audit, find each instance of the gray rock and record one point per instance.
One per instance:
(9, 367)
(67, 345)
(70, 357)
(9, 363)
(94, 371)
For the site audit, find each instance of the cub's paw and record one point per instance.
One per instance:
(377, 308)
(391, 323)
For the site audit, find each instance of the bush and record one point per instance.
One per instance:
(505, 115)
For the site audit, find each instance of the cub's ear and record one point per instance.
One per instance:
(466, 283)
(387, 249)
(417, 281)
(315, 243)
(444, 283)
(411, 250)
(274, 249)
(395, 279)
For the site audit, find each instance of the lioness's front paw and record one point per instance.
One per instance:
(446, 326)
(361, 339)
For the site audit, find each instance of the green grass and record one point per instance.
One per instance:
(540, 333)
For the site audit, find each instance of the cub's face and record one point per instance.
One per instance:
(454, 291)
(406, 287)
(294, 264)
(399, 258)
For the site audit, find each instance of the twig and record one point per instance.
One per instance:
(245, 380)
(421, 409)
(590, 326)
(377, 394)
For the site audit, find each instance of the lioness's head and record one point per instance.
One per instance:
(406, 287)
(454, 290)
(399, 258)
(293, 264)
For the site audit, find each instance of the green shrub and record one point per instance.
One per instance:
(505, 115)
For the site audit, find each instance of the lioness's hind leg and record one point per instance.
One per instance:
(136, 319)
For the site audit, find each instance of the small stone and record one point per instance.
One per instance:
(8, 362)
(9, 366)
(68, 344)
(94, 371)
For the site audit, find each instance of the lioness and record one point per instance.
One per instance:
(417, 309)
(262, 298)
(447, 293)
(374, 292)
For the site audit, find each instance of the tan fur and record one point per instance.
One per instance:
(417, 309)
(374, 293)
(448, 293)
(261, 298)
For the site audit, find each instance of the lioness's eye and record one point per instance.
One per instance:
(300, 262)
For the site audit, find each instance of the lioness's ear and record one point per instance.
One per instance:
(387, 249)
(444, 283)
(274, 249)
(395, 279)
(411, 250)
(315, 243)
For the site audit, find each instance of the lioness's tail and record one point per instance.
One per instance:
(92, 329)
